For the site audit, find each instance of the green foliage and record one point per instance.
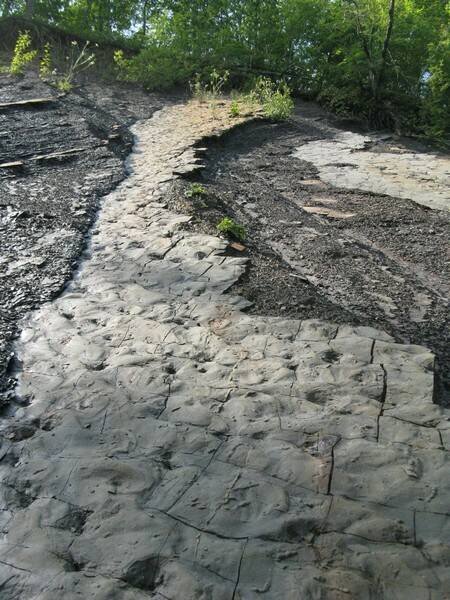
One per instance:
(46, 63)
(195, 190)
(276, 100)
(64, 85)
(122, 65)
(23, 54)
(78, 59)
(156, 68)
(384, 75)
(230, 227)
(235, 110)
(436, 108)
(384, 61)
(209, 88)
(280, 106)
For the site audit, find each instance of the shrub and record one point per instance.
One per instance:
(230, 227)
(280, 106)
(275, 99)
(154, 67)
(122, 64)
(23, 54)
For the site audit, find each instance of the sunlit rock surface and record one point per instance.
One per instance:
(176, 447)
(349, 160)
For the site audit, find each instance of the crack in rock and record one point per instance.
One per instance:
(182, 427)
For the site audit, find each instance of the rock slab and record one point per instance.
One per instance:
(176, 447)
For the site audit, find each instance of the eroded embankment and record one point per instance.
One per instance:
(58, 156)
(320, 251)
(176, 447)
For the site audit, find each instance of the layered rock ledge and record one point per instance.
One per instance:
(175, 447)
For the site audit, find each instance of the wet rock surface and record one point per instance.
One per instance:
(70, 152)
(177, 447)
(321, 251)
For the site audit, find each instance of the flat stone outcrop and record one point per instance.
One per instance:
(176, 447)
(352, 161)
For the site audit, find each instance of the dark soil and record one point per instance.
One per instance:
(387, 266)
(48, 204)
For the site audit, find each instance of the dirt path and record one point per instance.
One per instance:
(320, 251)
(176, 447)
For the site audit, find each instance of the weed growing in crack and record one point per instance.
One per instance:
(195, 190)
(229, 227)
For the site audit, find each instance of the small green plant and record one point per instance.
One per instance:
(77, 60)
(64, 85)
(275, 99)
(198, 88)
(195, 190)
(123, 66)
(235, 111)
(46, 64)
(280, 106)
(230, 227)
(23, 54)
(217, 81)
(211, 88)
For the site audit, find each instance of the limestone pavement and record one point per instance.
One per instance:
(177, 448)
(349, 160)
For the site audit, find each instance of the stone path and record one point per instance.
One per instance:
(177, 448)
(351, 161)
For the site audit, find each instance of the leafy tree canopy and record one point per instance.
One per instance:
(387, 61)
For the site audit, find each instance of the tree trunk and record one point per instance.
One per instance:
(29, 9)
(144, 16)
(384, 52)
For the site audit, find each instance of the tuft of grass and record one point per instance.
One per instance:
(195, 190)
(229, 227)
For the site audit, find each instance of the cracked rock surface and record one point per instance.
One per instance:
(324, 252)
(69, 153)
(176, 447)
(349, 161)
